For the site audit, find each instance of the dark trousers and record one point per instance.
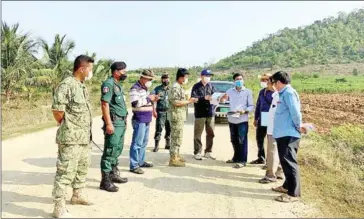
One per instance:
(260, 136)
(162, 121)
(209, 124)
(287, 150)
(238, 136)
(113, 147)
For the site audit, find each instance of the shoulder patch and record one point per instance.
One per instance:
(105, 89)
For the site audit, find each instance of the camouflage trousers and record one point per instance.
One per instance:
(176, 136)
(72, 166)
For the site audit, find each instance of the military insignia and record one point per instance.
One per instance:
(105, 90)
(116, 89)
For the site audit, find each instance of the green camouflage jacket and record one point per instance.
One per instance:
(72, 98)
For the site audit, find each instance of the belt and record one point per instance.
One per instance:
(117, 118)
(162, 110)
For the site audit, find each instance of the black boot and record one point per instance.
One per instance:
(115, 176)
(168, 144)
(107, 184)
(156, 147)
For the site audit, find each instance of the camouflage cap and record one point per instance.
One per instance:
(147, 73)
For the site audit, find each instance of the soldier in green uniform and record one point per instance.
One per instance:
(114, 114)
(160, 112)
(72, 111)
(177, 115)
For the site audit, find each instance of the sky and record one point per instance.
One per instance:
(165, 33)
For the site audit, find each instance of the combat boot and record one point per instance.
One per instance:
(106, 183)
(168, 144)
(175, 162)
(156, 147)
(60, 210)
(180, 158)
(115, 176)
(78, 199)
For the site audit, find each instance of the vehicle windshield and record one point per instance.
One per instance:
(222, 87)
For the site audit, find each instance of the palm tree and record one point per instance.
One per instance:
(17, 57)
(56, 56)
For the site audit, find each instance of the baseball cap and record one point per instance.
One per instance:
(206, 72)
(118, 66)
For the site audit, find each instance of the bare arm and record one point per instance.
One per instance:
(105, 112)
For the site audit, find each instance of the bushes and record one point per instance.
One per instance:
(332, 171)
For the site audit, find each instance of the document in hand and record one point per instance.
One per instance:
(264, 119)
(215, 98)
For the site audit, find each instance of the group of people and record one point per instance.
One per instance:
(278, 106)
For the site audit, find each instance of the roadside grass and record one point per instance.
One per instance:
(332, 171)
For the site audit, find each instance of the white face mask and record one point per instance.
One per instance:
(89, 76)
(206, 79)
(148, 84)
(186, 81)
(263, 84)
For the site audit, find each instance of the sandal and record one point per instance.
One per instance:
(239, 165)
(286, 198)
(280, 189)
(266, 180)
(146, 165)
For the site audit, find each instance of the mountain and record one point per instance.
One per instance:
(333, 40)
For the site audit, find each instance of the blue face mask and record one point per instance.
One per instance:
(239, 83)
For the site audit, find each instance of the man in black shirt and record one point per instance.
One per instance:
(204, 115)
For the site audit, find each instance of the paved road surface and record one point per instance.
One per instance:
(202, 189)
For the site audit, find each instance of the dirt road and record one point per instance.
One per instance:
(202, 189)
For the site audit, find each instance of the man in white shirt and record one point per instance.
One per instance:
(274, 170)
(241, 104)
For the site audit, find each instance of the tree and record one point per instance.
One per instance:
(56, 56)
(17, 58)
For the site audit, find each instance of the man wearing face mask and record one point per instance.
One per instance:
(204, 115)
(263, 104)
(142, 106)
(72, 111)
(114, 115)
(161, 113)
(178, 108)
(241, 104)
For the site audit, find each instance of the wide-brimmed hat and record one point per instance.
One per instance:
(147, 73)
(264, 76)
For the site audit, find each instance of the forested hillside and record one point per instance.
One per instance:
(332, 40)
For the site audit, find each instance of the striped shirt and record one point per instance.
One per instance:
(141, 104)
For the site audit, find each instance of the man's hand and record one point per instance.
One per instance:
(224, 98)
(193, 100)
(255, 123)
(303, 130)
(155, 115)
(109, 129)
(153, 97)
(243, 112)
(208, 97)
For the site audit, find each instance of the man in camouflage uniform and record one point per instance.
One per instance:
(160, 112)
(114, 115)
(71, 109)
(177, 114)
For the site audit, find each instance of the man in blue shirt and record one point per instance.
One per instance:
(287, 133)
(241, 104)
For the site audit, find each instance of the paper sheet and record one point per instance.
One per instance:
(264, 119)
(215, 98)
